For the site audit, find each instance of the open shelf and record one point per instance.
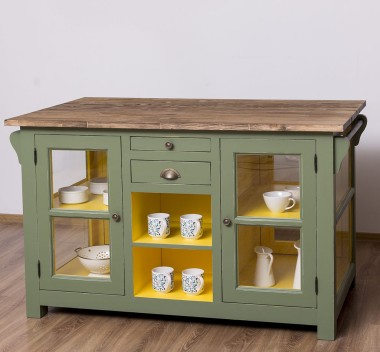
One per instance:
(283, 269)
(75, 268)
(147, 258)
(175, 238)
(177, 294)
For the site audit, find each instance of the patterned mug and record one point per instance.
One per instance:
(193, 281)
(159, 225)
(163, 279)
(191, 226)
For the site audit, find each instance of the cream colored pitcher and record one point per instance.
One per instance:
(264, 272)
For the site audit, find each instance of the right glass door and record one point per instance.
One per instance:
(269, 216)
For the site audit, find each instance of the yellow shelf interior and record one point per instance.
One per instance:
(176, 205)
(75, 268)
(95, 202)
(175, 238)
(284, 266)
(147, 258)
(251, 203)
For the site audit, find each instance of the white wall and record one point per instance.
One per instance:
(55, 51)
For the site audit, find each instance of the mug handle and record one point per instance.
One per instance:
(197, 227)
(291, 206)
(201, 284)
(168, 282)
(163, 227)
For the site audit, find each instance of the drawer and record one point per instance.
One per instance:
(171, 172)
(175, 144)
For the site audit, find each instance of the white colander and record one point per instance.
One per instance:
(95, 259)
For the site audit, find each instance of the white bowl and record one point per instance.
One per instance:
(295, 191)
(96, 259)
(73, 194)
(98, 185)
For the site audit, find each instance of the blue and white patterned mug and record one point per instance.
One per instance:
(193, 281)
(191, 226)
(159, 225)
(163, 279)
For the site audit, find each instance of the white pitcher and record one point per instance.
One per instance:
(297, 272)
(264, 272)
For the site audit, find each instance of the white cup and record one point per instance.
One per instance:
(191, 226)
(278, 201)
(105, 197)
(159, 225)
(295, 191)
(163, 279)
(193, 282)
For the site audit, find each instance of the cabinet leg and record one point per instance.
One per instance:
(326, 331)
(36, 311)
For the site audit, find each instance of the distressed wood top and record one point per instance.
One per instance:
(197, 115)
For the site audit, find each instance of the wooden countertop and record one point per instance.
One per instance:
(197, 114)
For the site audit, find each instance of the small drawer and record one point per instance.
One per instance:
(171, 172)
(175, 144)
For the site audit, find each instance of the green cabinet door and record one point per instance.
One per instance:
(268, 206)
(79, 205)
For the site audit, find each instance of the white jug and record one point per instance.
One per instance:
(264, 272)
(297, 272)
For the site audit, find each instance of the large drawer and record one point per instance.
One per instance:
(175, 144)
(165, 172)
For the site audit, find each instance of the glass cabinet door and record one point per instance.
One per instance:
(80, 204)
(269, 232)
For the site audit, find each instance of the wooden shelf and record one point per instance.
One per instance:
(251, 204)
(175, 239)
(75, 268)
(177, 293)
(283, 269)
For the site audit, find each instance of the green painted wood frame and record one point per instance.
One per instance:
(49, 281)
(232, 292)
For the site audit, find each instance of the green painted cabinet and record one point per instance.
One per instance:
(277, 201)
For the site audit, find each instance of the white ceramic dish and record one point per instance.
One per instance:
(98, 185)
(96, 259)
(73, 194)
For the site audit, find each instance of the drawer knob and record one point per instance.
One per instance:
(227, 222)
(170, 174)
(116, 217)
(169, 145)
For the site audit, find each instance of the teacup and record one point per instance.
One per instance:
(191, 226)
(295, 191)
(278, 201)
(193, 281)
(159, 225)
(163, 279)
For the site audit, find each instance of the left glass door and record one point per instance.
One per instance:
(79, 204)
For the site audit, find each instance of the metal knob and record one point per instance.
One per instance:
(227, 222)
(116, 217)
(169, 145)
(170, 174)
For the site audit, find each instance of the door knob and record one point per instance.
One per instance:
(227, 222)
(116, 217)
(169, 145)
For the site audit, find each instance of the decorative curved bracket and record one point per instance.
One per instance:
(342, 144)
(15, 139)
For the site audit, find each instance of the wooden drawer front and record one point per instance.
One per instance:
(191, 172)
(178, 144)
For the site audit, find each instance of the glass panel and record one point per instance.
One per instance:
(279, 175)
(343, 180)
(81, 247)
(268, 257)
(79, 179)
(343, 245)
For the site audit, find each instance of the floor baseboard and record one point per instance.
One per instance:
(11, 218)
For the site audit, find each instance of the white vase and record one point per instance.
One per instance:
(297, 272)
